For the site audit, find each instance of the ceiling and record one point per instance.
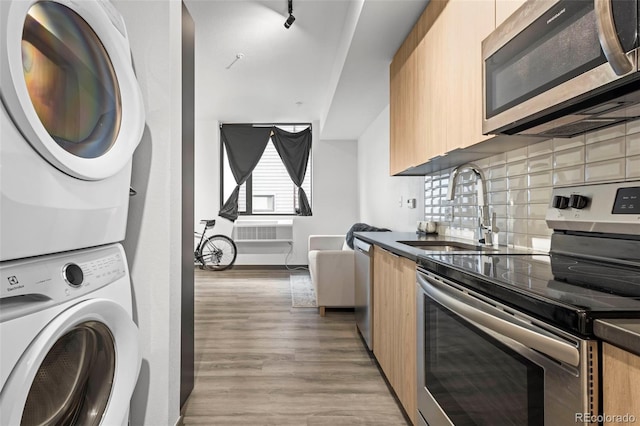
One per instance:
(332, 65)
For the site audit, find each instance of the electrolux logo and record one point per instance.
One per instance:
(14, 284)
(554, 17)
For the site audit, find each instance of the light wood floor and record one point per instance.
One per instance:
(261, 362)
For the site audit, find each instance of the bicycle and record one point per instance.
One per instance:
(215, 253)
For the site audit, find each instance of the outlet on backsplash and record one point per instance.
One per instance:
(448, 213)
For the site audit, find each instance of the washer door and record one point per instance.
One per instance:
(68, 83)
(80, 370)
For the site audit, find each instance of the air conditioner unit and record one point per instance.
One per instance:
(263, 231)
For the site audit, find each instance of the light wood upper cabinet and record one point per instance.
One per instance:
(438, 106)
(403, 112)
(466, 24)
(620, 377)
(432, 94)
(504, 9)
(394, 324)
(413, 94)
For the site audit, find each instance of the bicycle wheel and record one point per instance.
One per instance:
(218, 253)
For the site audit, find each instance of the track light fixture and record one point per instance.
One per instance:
(291, 18)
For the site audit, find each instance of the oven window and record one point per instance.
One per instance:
(477, 380)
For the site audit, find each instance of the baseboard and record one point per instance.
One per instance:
(268, 267)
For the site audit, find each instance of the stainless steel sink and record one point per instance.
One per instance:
(445, 246)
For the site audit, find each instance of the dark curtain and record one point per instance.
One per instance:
(244, 145)
(294, 149)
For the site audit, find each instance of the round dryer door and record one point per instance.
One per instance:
(80, 370)
(70, 85)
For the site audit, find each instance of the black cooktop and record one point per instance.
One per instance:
(567, 291)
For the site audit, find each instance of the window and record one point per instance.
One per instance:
(269, 190)
(264, 203)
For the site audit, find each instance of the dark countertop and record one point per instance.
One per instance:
(624, 333)
(390, 242)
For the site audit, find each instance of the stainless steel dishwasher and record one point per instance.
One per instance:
(364, 291)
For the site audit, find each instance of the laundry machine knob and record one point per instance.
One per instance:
(72, 274)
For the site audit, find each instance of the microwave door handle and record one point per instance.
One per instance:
(609, 38)
(547, 345)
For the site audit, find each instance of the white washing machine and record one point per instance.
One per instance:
(69, 346)
(71, 118)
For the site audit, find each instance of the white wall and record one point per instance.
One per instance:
(334, 193)
(379, 193)
(153, 233)
(207, 173)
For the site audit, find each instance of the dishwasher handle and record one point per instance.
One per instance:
(362, 247)
(523, 334)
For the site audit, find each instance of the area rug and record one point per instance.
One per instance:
(302, 293)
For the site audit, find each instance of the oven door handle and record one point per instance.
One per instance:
(608, 37)
(552, 347)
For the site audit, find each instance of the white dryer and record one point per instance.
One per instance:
(71, 118)
(69, 346)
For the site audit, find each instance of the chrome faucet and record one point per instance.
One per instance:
(486, 227)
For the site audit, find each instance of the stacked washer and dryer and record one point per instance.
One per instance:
(71, 117)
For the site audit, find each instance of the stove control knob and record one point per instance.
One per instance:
(73, 275)
(560, 202)
(578, 201)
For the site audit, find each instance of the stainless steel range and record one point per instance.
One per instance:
(508, 339)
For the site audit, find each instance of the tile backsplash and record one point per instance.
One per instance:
(519, 183)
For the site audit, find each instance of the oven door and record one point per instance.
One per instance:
(481, 363)
(551, 55)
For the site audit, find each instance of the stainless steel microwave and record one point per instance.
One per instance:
(559, 68)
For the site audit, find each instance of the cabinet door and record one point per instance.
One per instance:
(466, 23)
(384, 299)
(406, 368)
(396, 117)
(620, 377)
(402, 110)
(504, 9)
(414, 91)
(432, 92)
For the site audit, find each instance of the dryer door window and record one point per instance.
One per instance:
(73, 384)
(71, 80)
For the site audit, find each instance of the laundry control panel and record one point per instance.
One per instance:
(57, 278)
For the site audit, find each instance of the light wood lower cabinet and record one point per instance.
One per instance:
(384, 272)
(394, 324)
(620, 385)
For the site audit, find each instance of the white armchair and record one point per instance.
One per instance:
(332, 268)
